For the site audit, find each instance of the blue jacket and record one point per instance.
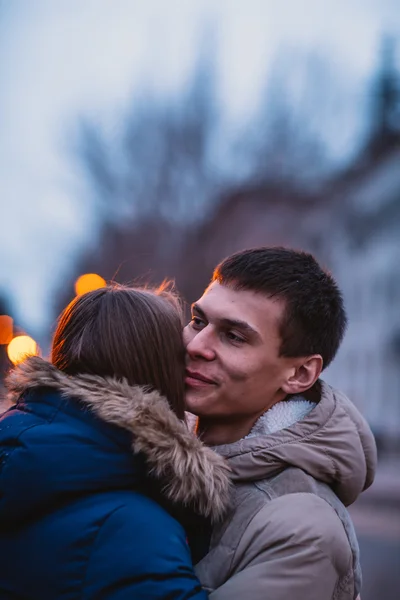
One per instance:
(76, 518)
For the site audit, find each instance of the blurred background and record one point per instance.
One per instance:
(148, 139)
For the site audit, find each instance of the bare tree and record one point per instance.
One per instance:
(152, 182)
(384, 114)
(160, 166)
(285, 141)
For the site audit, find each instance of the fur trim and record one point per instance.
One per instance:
(280, 416)
(195, 474)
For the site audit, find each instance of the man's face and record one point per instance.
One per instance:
(233, 363)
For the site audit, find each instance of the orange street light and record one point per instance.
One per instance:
(88, 282)
(21, 347)
(6, 329)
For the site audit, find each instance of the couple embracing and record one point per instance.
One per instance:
(110, 490)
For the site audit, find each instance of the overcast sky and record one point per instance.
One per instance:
(62, 58)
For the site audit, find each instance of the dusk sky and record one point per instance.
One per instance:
(61, 59)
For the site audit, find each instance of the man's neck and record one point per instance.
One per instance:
(228, 429)
(217, 432)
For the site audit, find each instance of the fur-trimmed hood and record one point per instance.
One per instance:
(190, 473)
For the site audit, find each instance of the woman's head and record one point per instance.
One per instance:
(124, 332)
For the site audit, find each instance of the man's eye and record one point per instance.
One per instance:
(232, 337)
(196, 322)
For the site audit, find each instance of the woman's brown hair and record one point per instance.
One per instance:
(126, 333)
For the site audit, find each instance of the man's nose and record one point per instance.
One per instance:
(201, 346)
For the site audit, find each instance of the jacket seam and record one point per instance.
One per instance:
(268, 492)
(92, 546)
(361, 441)
(343, 579)
(350, 574)
(342, 583)
(241, 537)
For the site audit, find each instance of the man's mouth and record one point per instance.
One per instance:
(195, 379)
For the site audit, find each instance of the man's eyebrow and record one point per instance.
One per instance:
(229, 323)
(242, 325)
(196, 307)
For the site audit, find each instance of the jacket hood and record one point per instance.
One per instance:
(333, 444)
(189, 473)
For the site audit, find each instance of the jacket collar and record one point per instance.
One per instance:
(191, 473)
(332, 443)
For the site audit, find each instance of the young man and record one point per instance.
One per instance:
(299, 451)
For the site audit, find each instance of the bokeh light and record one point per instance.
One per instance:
(21, 347)
(89, 282)
(6, 329)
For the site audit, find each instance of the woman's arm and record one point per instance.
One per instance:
(141, 556)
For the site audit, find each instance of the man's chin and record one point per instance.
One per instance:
(197, 404)
(195, 408)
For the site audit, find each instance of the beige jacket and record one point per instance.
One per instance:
(288, 535)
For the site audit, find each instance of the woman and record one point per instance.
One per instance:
(95, 456)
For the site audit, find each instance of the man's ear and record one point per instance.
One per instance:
(305, 373)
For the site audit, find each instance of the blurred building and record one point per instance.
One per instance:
(365, 260)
